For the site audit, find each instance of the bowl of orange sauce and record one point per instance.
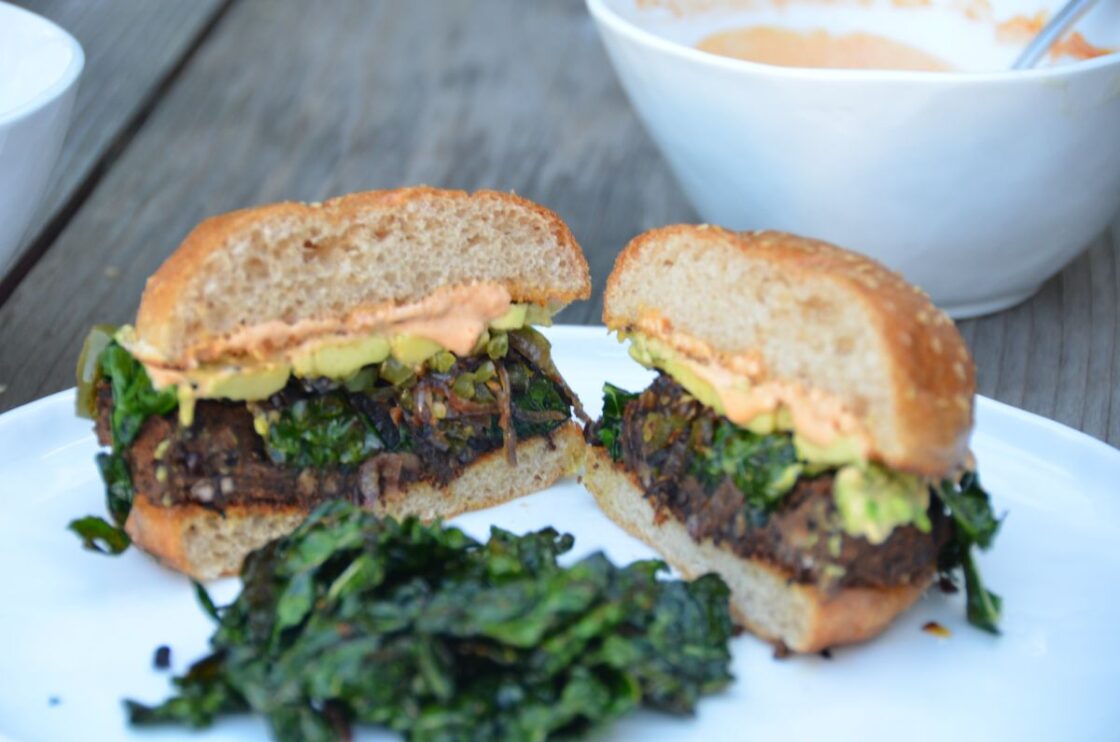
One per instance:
(894, 127)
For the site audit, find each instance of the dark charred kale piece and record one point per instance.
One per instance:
(419, 628)
(974, 524)
(763, 467)
(609, 427)
(533, 393)
(134, 401)
(118, 485)
(321, 431)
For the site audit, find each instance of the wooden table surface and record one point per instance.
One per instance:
(188, 109)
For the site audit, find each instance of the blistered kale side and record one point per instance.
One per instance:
(355, 620)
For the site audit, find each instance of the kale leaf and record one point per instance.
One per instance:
(762, 467)
(100, 535)
(421, 629)
(134, 401)
(118, 485)
(96, 533)
(609, 428)
(974, 524)
(531, 392)
(321, 431)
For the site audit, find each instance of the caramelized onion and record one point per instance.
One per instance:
(539, 354)
(505, 420)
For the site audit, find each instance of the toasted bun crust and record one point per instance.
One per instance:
(798, 310)
(301, 264)
(763, 598)
(206, 544)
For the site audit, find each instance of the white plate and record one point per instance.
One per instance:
(82, 628)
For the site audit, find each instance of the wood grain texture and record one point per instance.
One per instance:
(1058, 354)
(280, 103)
(130, 48)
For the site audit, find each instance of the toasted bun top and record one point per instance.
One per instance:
(309, 265)
(783, 312)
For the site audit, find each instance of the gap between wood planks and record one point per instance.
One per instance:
(50, 231)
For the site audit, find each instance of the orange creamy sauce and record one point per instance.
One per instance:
(1022, 29)
(452, 317)
(820, 49)
(817, 416)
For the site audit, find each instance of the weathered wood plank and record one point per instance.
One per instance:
(280, 103)
(1058, 354)
(130, 49)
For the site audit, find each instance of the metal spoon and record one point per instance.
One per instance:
(1062, 21)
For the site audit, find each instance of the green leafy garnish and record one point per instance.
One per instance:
(205, 601)
(610, 426)
(762, 467)
(118, 485)
(535, 394)
(134, 401)
(984, 606)
(974, 524)
(421, 629)
(322, 431)
(99, 535)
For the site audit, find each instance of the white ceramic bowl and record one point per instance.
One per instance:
(39, 68)
(976, 185)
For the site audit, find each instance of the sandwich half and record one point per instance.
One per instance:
(378, 348)
(806, 436)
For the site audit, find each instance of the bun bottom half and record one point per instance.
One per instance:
(206, 543)
(764, 599)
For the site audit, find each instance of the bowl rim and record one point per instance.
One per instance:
(57, 88)
(606, 15)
